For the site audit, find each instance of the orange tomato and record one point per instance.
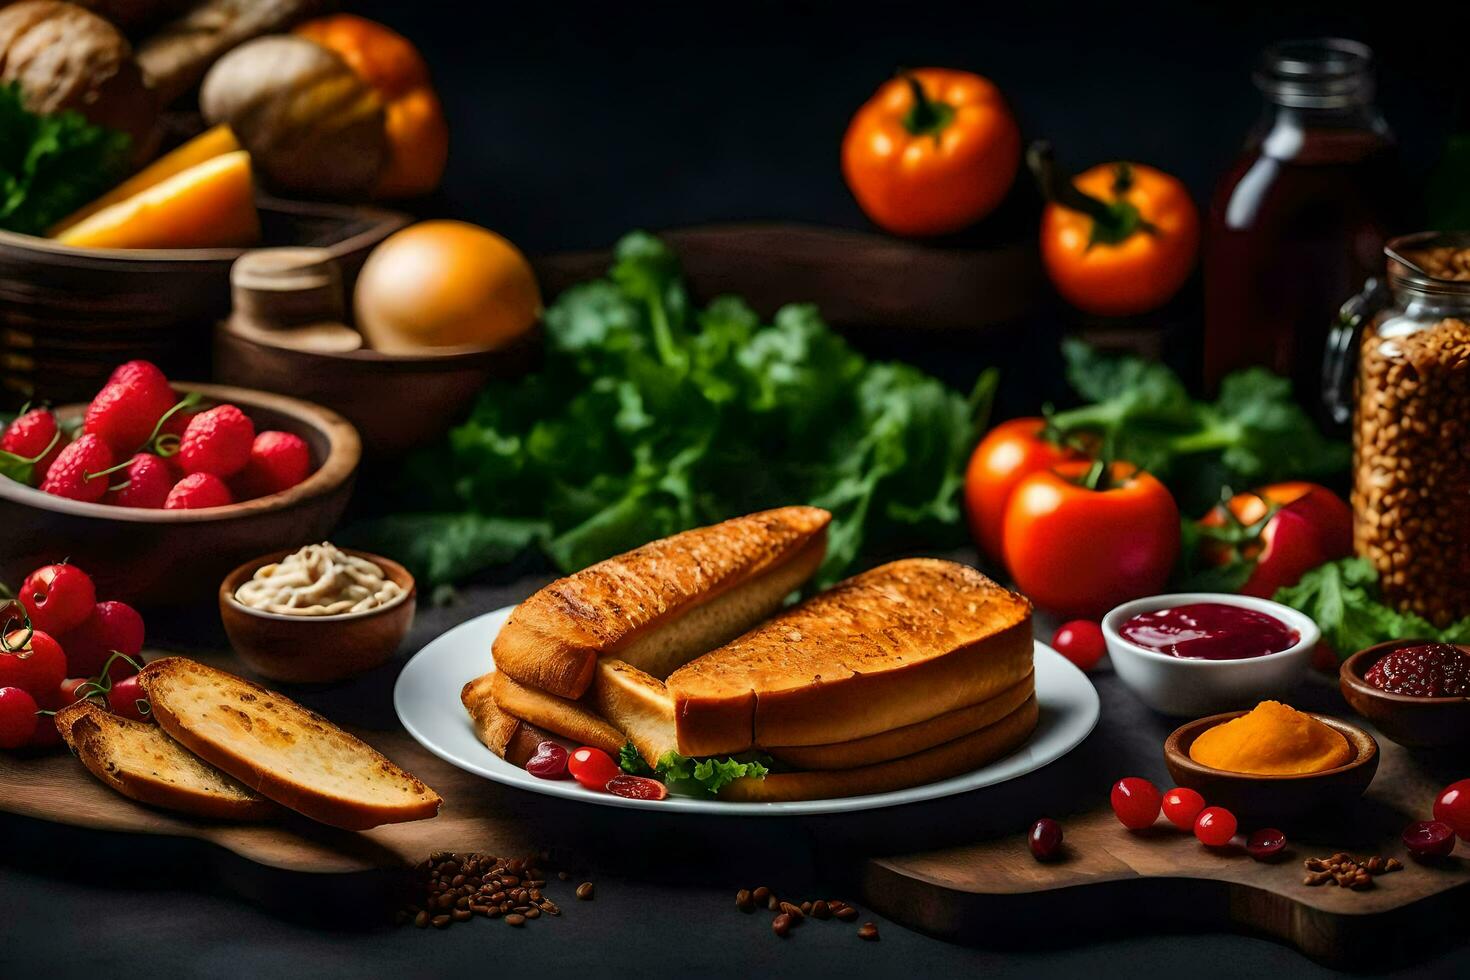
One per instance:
(1077, 552)
(1118, 240)
(932, 152)
(418, 136)
(1009, 452)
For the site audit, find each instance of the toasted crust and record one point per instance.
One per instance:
(283, 751)
(909, 739)
(897, 645)
(940, 762)
(142, 763)
(507, 736)
(638, 704)
(553, 639)
(571, 719)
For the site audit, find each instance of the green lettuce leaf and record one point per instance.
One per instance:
(51, 165)
(695, 775)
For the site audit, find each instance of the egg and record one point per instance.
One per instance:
(445, 284)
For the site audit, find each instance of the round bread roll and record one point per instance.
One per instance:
(65, 57)
(440, 284)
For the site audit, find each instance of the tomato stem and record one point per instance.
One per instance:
(927, 117)
(1112, 221)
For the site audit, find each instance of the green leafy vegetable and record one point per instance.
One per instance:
(51, 165)
(652, 416)
(680, 771)
(1252, 433)
(1343, 599)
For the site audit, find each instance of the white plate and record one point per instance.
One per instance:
(427, 701)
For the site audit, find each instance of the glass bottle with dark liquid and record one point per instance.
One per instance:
(1300, 220)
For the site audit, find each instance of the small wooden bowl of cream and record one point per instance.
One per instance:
(1298, 766)
(317, 614)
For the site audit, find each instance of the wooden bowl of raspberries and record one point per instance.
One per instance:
(158, 489)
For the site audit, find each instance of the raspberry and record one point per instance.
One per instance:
(217, 442)
(31, 435)
(278, 461)
(144, 484)
(128, 407)
(198, 491)
(69, 476)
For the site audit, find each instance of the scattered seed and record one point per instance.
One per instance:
(744, 901)
(515, 919)
(781, 925)
(868, 931)
(584, 891)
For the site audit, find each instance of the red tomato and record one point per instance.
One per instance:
(1215, 826)
(1453, 807)
(1011, 451)
(128, 700)
(1079, 552)
(1311, 526)
(32, 661)
(1080, 641)
(58, 598)
(18, 718)
(1136, 802)
(592, 768)
(1182, 805)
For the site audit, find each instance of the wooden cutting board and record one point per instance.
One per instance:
(1110, 880)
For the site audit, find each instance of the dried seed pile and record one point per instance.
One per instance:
(1346, 871)
(1411, 466)
(1443, 262)
(458, 887)
(790, 915)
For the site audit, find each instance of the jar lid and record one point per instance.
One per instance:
(1316, 73)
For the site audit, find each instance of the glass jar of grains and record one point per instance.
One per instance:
(1409, 398)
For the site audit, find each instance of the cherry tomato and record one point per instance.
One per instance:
(592, 768)
(18, 718)
(112, 627)
(1045, 839)
(1182, 806)
(1010, 452)
(549, 762)
(636, 787)
(1135, 802)
(1080, 641)
(128, 700)
(32, 661)
(1453, 807)
(72, 689)
(1311, 526)
(1429, 839)
(1078, 552)
(58, 598)
(1215, 826)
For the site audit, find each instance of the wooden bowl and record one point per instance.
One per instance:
(68, 315)
(315, 649)
(397, 402)
(1410, 721)
(1273, 799)
(164, 557)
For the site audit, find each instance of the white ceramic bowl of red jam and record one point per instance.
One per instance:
(1195, 653)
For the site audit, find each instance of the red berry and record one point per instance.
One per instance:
(128, 700)
(1266, 844)
(1181, 806)
(1215, 826)
(76, 474)
(128, 407)
(1045, 839)
(32, 661)
(58, 598)
(218, 442)
(112, 627)
(636, 787)
(1453, 807)
(549, 762)
(1080, 641)
(1135, 802)
(592, 767)
(72, 689)
(278, 461)
(18, 718)
(198, 491)
(144, 484)
(1429, 839)
(34, 436)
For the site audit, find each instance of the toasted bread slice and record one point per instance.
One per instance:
(507, 736)
(571, 719)
(896, 645)
(639, 705)
(659, 606)
(142, 763)
(909, 739)
(283, 751)
(943, 761)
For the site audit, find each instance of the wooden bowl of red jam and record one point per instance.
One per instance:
(1195, 653)
(1414, 691)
